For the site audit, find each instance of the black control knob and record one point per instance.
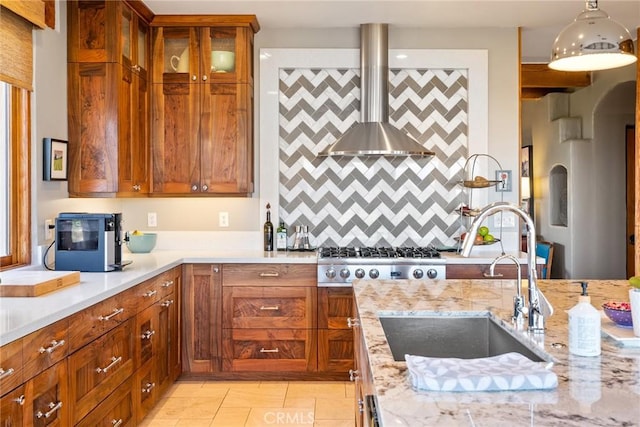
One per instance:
(344, 273)
(432, 273)
(359, 273)
(374, 273)
(418, 273)
(331, 273)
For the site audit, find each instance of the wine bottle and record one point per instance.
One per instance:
(281, 237)
(268, 231)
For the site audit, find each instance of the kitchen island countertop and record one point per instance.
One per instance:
(600, 391)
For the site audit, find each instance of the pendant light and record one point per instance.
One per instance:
(593, 41)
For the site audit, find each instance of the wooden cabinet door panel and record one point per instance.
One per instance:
(335, 306)
(12, 408)
(146, 337)
(145, 390)
(47, 397)
(175, 122)
(93, 131)
(270, 275)
(202, 318)
(45, 347)
(117, 409)
(98, 368)
(88, 42)
(269, 350)
(168, 343)
(269, 307)
(335, 350)
(11, 366)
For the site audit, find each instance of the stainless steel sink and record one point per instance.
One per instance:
(464, 337)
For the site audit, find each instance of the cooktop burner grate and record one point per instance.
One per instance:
(378, 252)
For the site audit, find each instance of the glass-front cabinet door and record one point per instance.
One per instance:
(224, 52)
(134, 39)
(175, 55)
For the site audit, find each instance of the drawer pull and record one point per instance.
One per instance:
(147, 335)
(269, 274)
(20, 401)
(273, 350)
(216, 270)
(148, 387)
(54, 344)
(116, 423)
(353, 375)
(115, 312)
(166, 303)
(150, 293)
(114, 361)
(270, 307)
(4, 374)
(352, 323)
(53, 407)
(167, 284)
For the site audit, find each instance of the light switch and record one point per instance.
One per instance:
(223, 219)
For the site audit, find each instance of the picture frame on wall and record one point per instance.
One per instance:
(55, 160)
(526, 178)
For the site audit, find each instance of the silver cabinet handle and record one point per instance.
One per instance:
(54, 344)
(146, 335)
(148, 387)
(116, 423)
(4, 374)
(352, 323)
(270, 307)
(269, 274)
(216, 270)
(167, 284)
(204, 78)
(166, 303)
(353, 374)
(149, 294)
(53, 407)
(194, 187)
(20, 401)
(136, 187)
(264, 350)
(194, 77)
(205, 187)
(114, 361)
(115, 312)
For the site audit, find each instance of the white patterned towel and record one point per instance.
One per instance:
(509, 371)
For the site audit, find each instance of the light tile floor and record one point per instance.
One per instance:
(255, 404)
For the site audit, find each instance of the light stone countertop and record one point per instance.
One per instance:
(600, 391)
(20, 316)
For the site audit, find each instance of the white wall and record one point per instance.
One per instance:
(246, 214)
(593, 246)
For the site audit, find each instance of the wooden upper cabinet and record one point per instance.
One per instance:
(202, 107)
(108, 92)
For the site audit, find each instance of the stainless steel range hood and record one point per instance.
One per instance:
(374, 136)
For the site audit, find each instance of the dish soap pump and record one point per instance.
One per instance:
(584, 326)
(268, 231)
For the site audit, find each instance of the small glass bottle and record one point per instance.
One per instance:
(268, 231)
(281, 237)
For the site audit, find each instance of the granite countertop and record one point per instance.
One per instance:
(600, 391)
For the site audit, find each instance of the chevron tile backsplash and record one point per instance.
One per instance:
(372, 201)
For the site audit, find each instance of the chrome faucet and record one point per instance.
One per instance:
(518, 300)
(539, 307)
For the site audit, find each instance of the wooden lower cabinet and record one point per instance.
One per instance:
(202, 318)
(98, 368)
(12, 408)
(335, 335)
(46, 396)
(117, 409)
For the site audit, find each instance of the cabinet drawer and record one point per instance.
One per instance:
(87, 325)
(10, 366)
(45, 347)
(269, 307)
(47, 398)
(117, 409)
(152, 290)
(267, 350)
(99, 368)
(269, 274)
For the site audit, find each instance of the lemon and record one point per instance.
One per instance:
(635, 281)
(137, 233)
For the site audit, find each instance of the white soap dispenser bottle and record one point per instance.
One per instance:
(584, 326)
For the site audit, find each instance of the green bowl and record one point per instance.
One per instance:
(141, 244)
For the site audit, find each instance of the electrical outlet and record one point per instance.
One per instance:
(223, 219)
(48, 229)
(152, 219)
(504, 220)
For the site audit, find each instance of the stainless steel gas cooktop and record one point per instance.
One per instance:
(341, 265)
